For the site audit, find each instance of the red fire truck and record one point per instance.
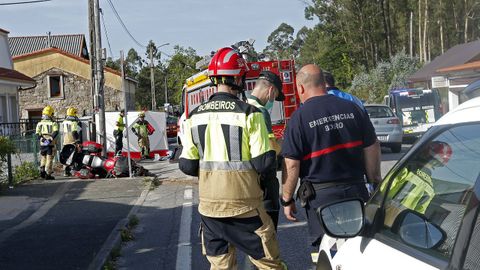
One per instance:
(198, 88)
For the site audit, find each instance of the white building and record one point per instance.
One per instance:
(10, 82)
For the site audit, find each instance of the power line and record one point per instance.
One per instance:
(123, 24)
(23, 2)
(106, 34)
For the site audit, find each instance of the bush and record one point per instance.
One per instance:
(374, 85)
(26, 171)
(7, 147)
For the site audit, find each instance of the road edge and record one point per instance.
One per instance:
(114, 239)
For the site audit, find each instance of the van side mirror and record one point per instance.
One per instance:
(343, 219)
(415, 230)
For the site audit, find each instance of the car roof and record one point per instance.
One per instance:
(468, 111)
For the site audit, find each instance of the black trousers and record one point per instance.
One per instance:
(118, 134)
(271, 197)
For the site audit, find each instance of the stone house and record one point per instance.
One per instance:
(10, 82)
(61, 69)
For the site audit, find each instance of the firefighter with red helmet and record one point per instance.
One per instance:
(226, 145)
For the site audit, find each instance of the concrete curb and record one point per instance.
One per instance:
(114, 239)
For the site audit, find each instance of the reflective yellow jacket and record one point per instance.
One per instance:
(47, 129)
(226, 146)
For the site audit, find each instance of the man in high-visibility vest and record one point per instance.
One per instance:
(225, 144)
(268, 89)
(141, 130)
(47, 131)
(118, 133)
(72, 135)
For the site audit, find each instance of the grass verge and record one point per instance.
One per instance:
(126, 234)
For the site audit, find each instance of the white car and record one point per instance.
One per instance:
(424, 215)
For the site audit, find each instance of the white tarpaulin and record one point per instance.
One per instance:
(158, 140)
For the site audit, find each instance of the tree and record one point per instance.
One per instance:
(180, 66)
(280, 43)
(374, 85)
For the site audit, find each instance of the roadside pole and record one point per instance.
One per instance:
(9, 170)
(99, 85)
(125, 106)
(152, 80)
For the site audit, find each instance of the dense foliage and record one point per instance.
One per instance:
(369, 45)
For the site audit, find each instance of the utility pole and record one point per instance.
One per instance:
(125, 106)
(166, 91)
(91, 35)
(99, 78)
(152, 74)
(152, 79)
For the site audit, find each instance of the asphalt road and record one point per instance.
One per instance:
(66, 225)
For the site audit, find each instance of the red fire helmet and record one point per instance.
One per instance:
(227, 62)
(441, 151)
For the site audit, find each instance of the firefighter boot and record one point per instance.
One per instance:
(67, 172)
(49, 177)
(43, 174)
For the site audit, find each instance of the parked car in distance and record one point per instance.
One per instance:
(425, 213)
(387, 126)
(172, 127)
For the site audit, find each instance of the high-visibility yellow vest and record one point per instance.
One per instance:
(46, 128)
(224, 134)
(252, 100)
(412, 190)
(141, 127)
(120, 125)
(69, 128)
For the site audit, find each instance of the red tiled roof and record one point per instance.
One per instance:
(13, 75)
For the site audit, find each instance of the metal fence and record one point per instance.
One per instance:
(23, 127)
(27, 149)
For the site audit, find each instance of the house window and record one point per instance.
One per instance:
(13, 109)
(3, 109)
(55, 86)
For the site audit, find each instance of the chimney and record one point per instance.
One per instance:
(49, 39)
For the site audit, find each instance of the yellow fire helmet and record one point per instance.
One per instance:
(141, 114)
(48, 111)
(72, 111)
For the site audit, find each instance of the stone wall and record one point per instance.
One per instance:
(76, 93)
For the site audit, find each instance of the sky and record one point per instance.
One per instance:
(203, 25)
